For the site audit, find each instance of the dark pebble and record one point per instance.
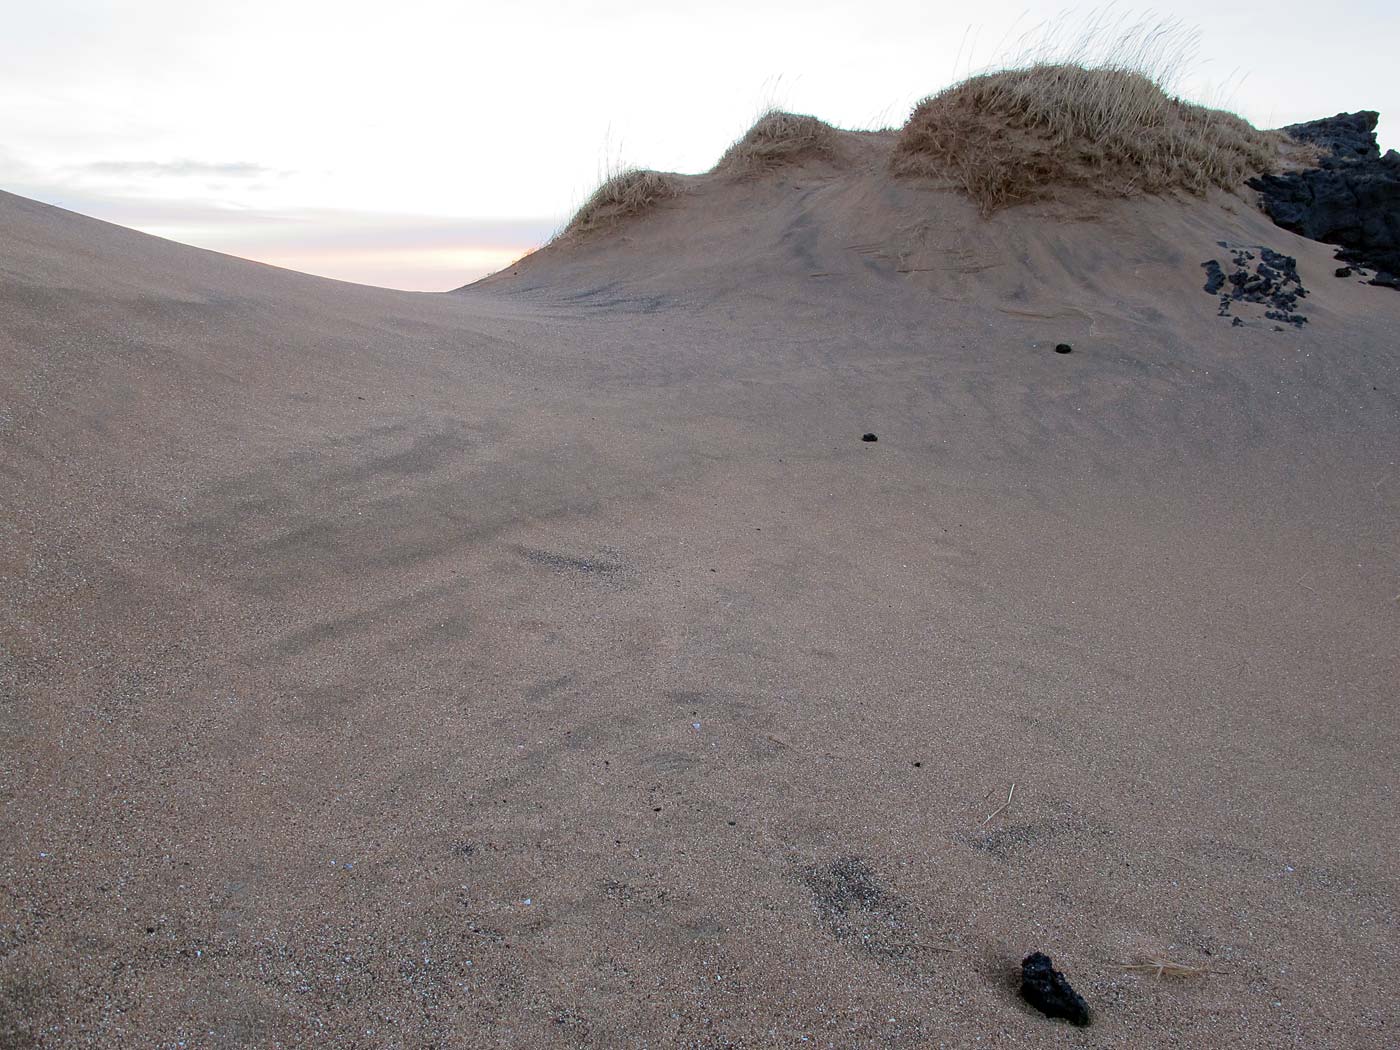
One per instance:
(869, 437)
(1045, 988)
(1342, 271)
(1064, 348)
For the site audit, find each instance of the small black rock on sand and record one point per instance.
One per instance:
(1045, 988)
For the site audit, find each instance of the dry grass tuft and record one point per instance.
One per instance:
(630, 192)
(777, 138)
(1109, 124)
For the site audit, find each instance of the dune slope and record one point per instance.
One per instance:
(552, 663)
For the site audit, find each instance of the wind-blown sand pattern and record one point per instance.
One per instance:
(551, 664)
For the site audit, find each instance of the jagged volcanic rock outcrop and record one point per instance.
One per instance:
(1351, 199)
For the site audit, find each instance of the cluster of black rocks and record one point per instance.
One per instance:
(1273, 283)
(1351, 199)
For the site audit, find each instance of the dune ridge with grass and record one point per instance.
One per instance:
(1019, 135)
(1097, 113)
(1102, 140)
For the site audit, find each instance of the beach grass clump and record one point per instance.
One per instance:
(776, 139)
(1106, 121)
(626, 194)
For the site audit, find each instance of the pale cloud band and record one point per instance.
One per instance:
(411, 252)
(177, 169)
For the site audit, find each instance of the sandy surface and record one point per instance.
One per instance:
(551, 664)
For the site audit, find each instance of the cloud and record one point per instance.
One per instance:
(179, 169)
(13, 169)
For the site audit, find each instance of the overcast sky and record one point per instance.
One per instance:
(422, 143)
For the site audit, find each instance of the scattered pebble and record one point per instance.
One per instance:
(869, 437)
(1063, 348)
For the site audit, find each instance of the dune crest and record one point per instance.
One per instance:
(1008, 137)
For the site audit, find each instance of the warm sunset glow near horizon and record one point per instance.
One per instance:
(424, 143)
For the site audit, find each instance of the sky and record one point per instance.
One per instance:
(421, 144)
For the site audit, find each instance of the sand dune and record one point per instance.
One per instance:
(552, 664)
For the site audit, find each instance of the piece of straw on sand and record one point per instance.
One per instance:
(1159, 967)
(1000, 809)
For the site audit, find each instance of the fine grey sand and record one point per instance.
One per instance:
(551, 664)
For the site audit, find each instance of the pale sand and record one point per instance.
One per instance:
(338, 623)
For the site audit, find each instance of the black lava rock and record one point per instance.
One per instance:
(1045, 988)
(869, 437)
(1215, 276)
(1063, 348)
(1345, 135)
(1351, 199)
(1272, 282)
